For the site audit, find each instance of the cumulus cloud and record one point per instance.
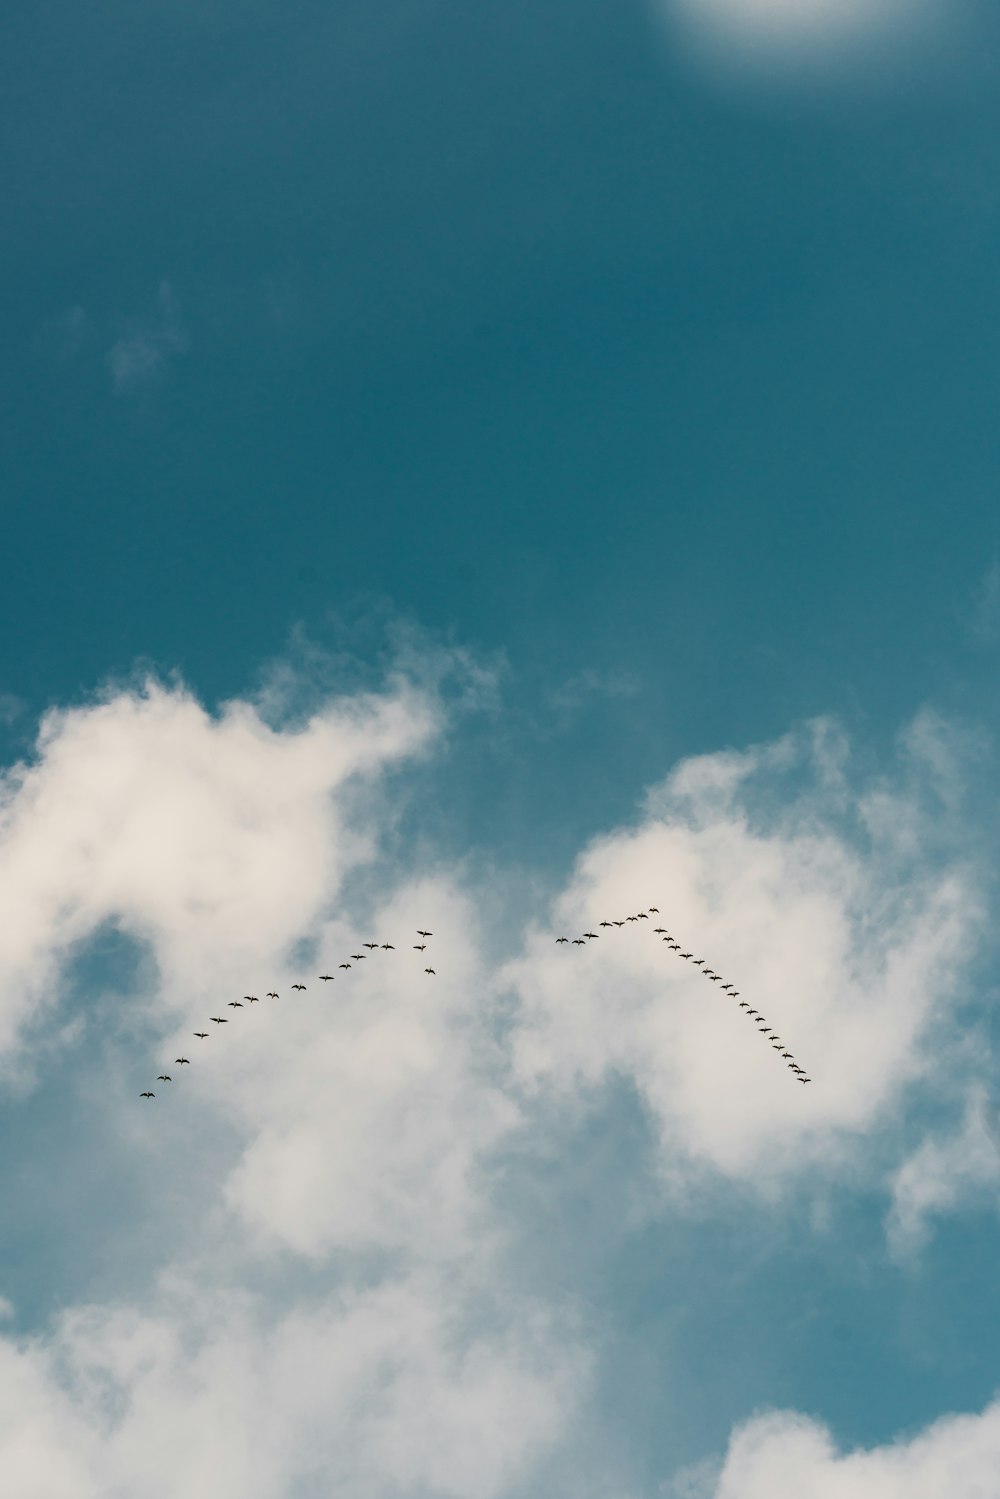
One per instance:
(146, 342)
(822, 901)
(384, 1390)
(216, 840)
(786, 1456)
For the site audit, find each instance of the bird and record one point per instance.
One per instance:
(579, 942)
(631, 918)
(326, 976)
(388, 947)
(786, 1053)
(164, 1077)
(369, 945)
(642, 916)
(424, 934)
(345, 965)
(727, 986)
(744, 1005)
(685, 954)
(618, 923)
(655, 910)
(202, 1035)
(607, 923)
(590, 934)
(699, 962)
(428, 970)
(220, 1019)
(805, 1079)
(182, 1059)
(562, 939)
(147, 1095)
(716, 978)
(235, 1004)
(298, 986)
(359, 957)
(248, 996)
(271, 994)
(659, 930)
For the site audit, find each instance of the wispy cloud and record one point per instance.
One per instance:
(146, 342)
(768, 29)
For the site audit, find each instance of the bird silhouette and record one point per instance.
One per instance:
(298, 986)
(618, 923)
(606, 923)
(271, 994)
(344, 965)
(744, 1005)
(369, 945)
(562, 939)
(164, 1077)
(360, 957)
(419, 946)
(579, 942)
(202, 1035)
(590, 934)
(727, 986)
(786, 1053)
(699, 962)
(642, 916)
(326, 976)
(655, 910)
(235, 1004)
(219, 1019)
(805, 1079)
(428, 970)
(660, 930)
(147, 1095)
(424, 934)
(685, 954)
(631, 918)
(388, 947)
(182, 1059)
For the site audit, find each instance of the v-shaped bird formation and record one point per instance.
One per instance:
(254, 999)
(706, 971)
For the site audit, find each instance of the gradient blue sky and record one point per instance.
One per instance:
(604, 389)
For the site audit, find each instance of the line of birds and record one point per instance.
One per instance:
(253, 999)
(709, 973)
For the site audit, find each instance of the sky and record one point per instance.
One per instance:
(495, 469)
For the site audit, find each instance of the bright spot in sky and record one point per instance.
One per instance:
(783, 25)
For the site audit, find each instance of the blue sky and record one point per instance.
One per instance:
(494, 467)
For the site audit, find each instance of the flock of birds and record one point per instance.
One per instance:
(587, 937)
(709, 973)
(253, 999)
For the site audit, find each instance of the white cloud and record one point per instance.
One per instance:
(145, 344)
(216, 840)
(800, 28)
(941, 1174)
(787, 1456)
(820, 904)
(389, 1390)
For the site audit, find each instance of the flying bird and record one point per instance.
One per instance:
(659, 930)
(685, 954)
(360, 957)
(271, 994)
(631, 918)
(236, 1004)
(388, 947)
(618, 923)
(369, 945)
(345, 965)
(254, 1000)
(164, 1077)
(298, 986)
(579, 942)
(607, 923)
(147, 1095)
(655, 910)
(805, 1079)
(699, 962)
(182, 1059)
(202, 1035)
(642, 916)
(326, 976)
(219, 1019)
(786, 1053)
(562, 939)
(590, 934)
(419, 946)
(428, 970)
(744, 1005)
(424, 934)
(727, 986)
